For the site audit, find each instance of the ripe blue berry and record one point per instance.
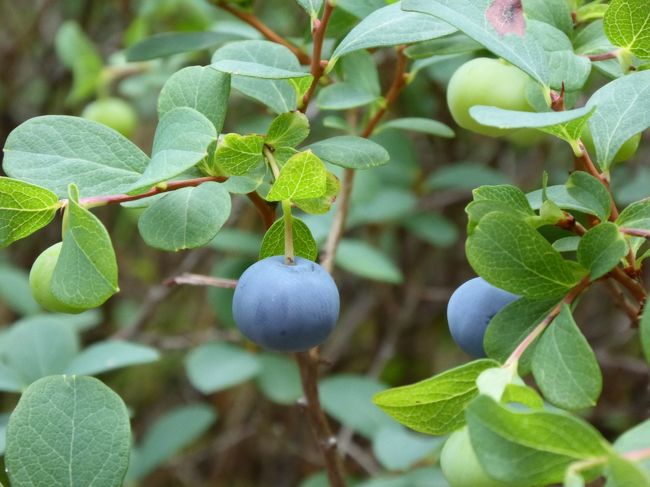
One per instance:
(287, 308)
(470, 310)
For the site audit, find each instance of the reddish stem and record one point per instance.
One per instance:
(548, 319)
(317, 65)
(637, 232)
(161, 188)
(602, 57)
(267, 211)
(264, 29)
(308, 364)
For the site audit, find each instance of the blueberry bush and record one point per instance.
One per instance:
(236, 211)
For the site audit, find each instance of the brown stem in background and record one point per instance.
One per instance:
(317, 65)
(308, 364)
(342, 209)
(264, 29)
(602, 57)
(200, 280)
(161, 188)
(590, 167)
(636, 232)
(266, 210)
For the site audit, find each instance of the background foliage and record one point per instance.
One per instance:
(207, 408)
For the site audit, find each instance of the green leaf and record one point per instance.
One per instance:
(186, 218)
(360, 8)
(591, 11)
(504, 198)
(348, 399)
(255, 70)
(457, 43)
(109, 355)
(237, 154)
(582, 192)
(343, 96)
(510, 254)
(9, 382)
(359, 69)
(637, 215)
(432, 228)
(488, 23)
(360, 258)
(304, 244)
(181, 141)
(169, 435)
(399, 449)
(529, 447)
(198, 87)
(85, 275)
(390, 26)
(510, 326)
(644, 331)
(279, 95)
(635, 439)
(279, 378)
(15, 292)
(79, 54)
(35, 348)
(68, 431)
(351, 152)
(464, 175)
(565, 367)
(435, 406)
(623, 110)
(567, 244)
(24, 209)
(319, 206)
(554, 12)
(248, 182)
(601, 249)
(627, 25)
(424, 125)
(288, 130)
(622, 472)
(302, 177)
(312, 7)
(556, 123)
(53, 151)
(168, 43)
(217, 366)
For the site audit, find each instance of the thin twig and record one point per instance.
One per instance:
(266, 210)
(308, 364)
(200, 280)
(160, 188)
(264, 29)
(156, 295)
(637, 232)
(342, 209)
(548, 319)
(318, 66)
(590, 167)
(603, 56)
(621, 301)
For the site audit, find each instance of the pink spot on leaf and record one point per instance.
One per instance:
(507, 17)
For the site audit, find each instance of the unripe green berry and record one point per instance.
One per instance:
(460, 465)
(40, 280)
(627, 150)
(485, 81)
(114, 113)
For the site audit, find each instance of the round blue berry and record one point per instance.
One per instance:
(470, 310)
(287, 308)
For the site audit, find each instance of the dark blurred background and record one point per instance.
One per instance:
(404, 256)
